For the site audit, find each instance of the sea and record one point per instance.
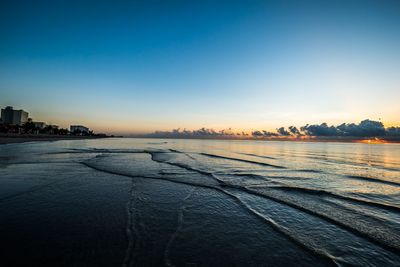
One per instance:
(177, 202)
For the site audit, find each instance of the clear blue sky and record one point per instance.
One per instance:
(140, 66)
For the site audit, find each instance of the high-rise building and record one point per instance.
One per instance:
(11, 116)
(7, 115)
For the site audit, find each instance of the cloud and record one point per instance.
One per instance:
(319, 130)
(257, 134)
(366, 128)
(263, 133)
(294, 131)
(283, 131)
(393, 131)
(279, 132)
(200, 133)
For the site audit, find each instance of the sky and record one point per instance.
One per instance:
(136, 67)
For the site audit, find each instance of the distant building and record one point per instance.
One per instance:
(7, 115)
(39, 124)
(15, 117)
(78, 129)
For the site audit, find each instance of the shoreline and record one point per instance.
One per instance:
(305, 140)
(13, 139)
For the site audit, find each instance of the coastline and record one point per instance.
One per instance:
(17, 138)
(10, 138)
(387, 140)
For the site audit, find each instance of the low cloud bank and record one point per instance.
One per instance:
(366, 128)
(393, 131)
(200, 133)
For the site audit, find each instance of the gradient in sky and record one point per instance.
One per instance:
(128, 67)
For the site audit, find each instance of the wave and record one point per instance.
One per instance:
(370, 179)
(180, 152)
(186, 167)
(319, 192)
(359, 227)
(113, 151)
(311, 206)
(252, 175)
(243, 160)
(258, 156)
(119, 173)
(146, 151)
(266, 178)
(323, 255)
(221, 190)
(334, 160)
(309, 170)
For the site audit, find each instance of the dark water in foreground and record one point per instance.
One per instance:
(145, 202)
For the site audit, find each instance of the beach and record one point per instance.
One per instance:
(22, 138)
(154, 202)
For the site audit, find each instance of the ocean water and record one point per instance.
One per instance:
(154, 202)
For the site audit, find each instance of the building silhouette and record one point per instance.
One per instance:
(15, 117)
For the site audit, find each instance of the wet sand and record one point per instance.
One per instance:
(9, 139)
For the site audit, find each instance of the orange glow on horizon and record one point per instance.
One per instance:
(372, 141)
